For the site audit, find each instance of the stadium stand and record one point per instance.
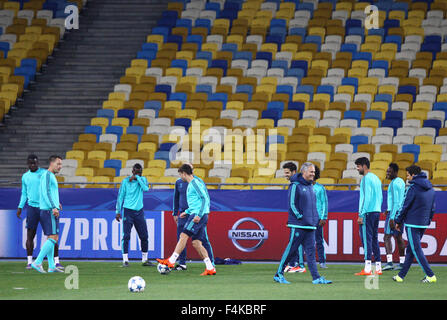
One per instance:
(63, 91)
(333, 90)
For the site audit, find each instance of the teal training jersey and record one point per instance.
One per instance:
(130, 195)
(49, 191)
(198, 198)
(31, 188)
(370, 194)
(322, 203)
(395, 196)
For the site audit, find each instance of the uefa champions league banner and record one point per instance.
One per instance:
(243, 224)
(82, 234)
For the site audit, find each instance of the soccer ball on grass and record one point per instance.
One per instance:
(136, 284)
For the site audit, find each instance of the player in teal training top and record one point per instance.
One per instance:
(395, 197)
(195, 227)
(370, 206)
(322, 208)
(49, 215)
(130, 203)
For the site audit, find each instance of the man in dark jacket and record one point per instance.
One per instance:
(303, 220)
(416, 213)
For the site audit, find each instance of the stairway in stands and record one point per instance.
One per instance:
(75, 82)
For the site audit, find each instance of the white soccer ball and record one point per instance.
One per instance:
(136, 284)
(163, 269)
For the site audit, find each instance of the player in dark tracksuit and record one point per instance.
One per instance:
(302, 221)
(180, 205)
(416, 213)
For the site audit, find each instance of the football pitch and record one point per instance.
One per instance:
(249, 281)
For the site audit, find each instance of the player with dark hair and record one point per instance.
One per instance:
(49, 214)
(296, 263)
(30, 194)
(395, 196)
(130, 202)
(302, 221)
(322, 208)
(370, 206)
(180, 204)
(195, 226)
(416, 213)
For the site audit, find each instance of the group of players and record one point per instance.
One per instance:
(412, 207)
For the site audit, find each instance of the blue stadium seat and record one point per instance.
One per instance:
(408, 89)
(285, 89)
(392, 123)
(177, 96)
(126, 113)
(356, 140)
(374, 114)
(275, 105)
(274, 114)
(114, 164)
(432, 123)
(184, 122)
(442, 106)
(412, 148)
(384, 97)
(117, 130)
(97, 130)
(204, 88)
(106, 113)
(262, 55)
(296, 105)
(138, 130)
(353, 114)
(155, 105)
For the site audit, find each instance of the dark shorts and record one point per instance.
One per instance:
(32, 217)
(388, 230)
(196, 230)
(49, 223)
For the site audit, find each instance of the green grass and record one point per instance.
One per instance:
(106, 280)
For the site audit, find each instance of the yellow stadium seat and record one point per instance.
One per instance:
(265, 124)
(325, 181)
(440, 174)
(423, 140)
(370, 123)
(156, 172)
(157, 164)
(383, 156)
(75, 154)
(307, 123)
(119, 155)
(86, 172)
(123, 122)
(317, 139)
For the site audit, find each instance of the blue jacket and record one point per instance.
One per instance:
(302, 203)
(180, 203)
(419, 203)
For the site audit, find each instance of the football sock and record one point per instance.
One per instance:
(125, 257)
(402, 259)
(208, 263)
(143, 256)
(30, 259)
(47, 246)
(50, 255)
(367, 265)
(173, 258)
(378, 266)
(56, 260)
(389, 258)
